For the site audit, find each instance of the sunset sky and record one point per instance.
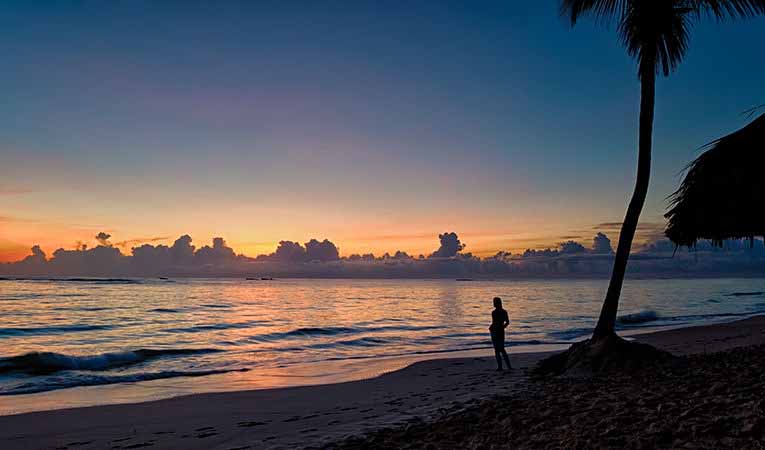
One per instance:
(375, 127)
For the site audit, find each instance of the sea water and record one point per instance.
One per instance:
(67, 342)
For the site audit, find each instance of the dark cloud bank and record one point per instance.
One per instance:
(316, 258)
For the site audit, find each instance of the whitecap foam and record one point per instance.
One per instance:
(49, 362)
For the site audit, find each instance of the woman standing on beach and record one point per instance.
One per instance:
(499, 321)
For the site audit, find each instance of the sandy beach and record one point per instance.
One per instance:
(323, 415)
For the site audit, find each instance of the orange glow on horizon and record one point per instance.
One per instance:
(478, 245)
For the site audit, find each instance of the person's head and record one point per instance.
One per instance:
(497, 302)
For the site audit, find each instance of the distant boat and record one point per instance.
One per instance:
(464, 279)
(266, 278)
(163, 278)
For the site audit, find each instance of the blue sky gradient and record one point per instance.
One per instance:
(369, 124)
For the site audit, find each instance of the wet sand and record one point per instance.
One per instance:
(321, 415)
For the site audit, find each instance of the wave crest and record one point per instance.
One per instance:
(639, 317)
(99, 380)
(41, 363)
(32, 331)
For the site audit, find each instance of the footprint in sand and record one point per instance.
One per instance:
(296, 418)
(140, 444)
(205, 432)
(253, 423)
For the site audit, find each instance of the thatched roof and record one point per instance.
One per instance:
(723, 193)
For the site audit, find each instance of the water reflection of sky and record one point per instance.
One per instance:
(288, 325)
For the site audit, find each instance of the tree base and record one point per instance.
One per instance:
(600, 355)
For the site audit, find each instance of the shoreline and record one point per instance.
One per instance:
(296, 417)
(301, 375)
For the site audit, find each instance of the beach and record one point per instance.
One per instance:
(418, 397)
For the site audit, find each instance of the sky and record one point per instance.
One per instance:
(375, 126)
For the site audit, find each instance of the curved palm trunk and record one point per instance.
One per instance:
(607, 320)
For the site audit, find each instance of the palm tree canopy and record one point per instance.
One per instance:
(616, 9)
(723, 191)
(655, 32)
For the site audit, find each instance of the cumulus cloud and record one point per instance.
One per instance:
(546, 253)
(37, 253)
(218, 254)
(401, 255)
(182, 252)
(129, 242)
(287, 251)
(571, 248)
(601, 244)
(321, 251)
(103, 238)
(99, 261)
(321, 259)
(450, 246)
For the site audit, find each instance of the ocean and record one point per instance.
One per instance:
(73, 342)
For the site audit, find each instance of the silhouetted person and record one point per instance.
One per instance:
(499, 321)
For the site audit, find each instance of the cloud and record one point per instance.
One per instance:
(547, 253)
(571, 248)
(401, 255)
(646, 231)
(450, 246)
(318, 258)
(314, 250)
(129, 242)
(287, 251)
(321, 251)
(218, 254)
(601, 244)
(182, 251)
(103, 238)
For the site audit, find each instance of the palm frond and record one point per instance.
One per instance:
(749, 113)
(602, 10)
(722, 191)
(729, 9)
(656, 33)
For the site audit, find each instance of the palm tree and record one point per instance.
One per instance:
(656, 34)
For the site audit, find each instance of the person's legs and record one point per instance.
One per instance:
(507, 358)
(496, 341)
(499, 358)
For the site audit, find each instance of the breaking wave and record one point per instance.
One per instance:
(40, 363)
(52, 384)
(639, 317)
